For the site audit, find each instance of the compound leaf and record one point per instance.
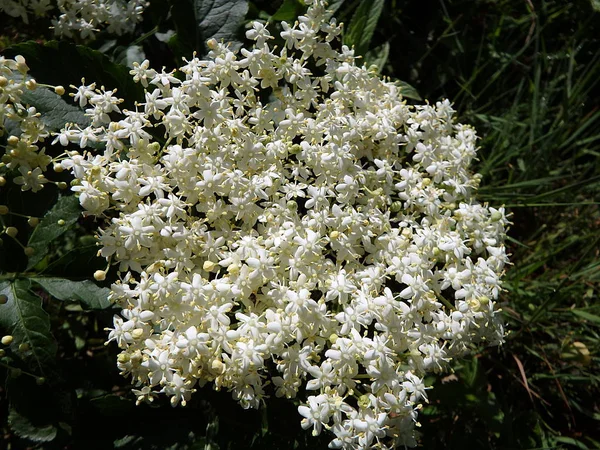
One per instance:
(63, 214)
(24, 318)
(90, 295)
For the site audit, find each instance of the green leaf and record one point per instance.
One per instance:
(87, 292)
(62, 63)
(24, 318)
(23, 427)
(288, 11)
(55, 112)
(363, 24)
(378, 56)
(66, 209)
(334, 5)
(219, 19)
(407, 90)
(595, 5)
(587, 316)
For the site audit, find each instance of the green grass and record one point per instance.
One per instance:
(526, 75)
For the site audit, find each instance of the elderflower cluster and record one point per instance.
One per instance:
(285, 224)
(23, 126)
(80, 17)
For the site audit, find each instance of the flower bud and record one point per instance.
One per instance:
(3, 210)
(7, 340)
(59, 90)
(100, 275)
(33, 222)
(29, 251)
(12, 232)
(137, 333)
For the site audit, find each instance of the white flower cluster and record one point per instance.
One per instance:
(300, 231)
(80, 17)
(23, 123)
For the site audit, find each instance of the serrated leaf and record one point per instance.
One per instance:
(288, 11)
(24, 318)
(334, 5)
(63, 63)
(55, 112)
(87, 292)
(587, 316)
(378, 56)
(220, 19)
(363, 24)
(407, 90)
(25, 429)
(66, 209)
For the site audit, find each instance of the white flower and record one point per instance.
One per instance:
(295, 231)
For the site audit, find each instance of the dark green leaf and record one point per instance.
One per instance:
(378, 56)
(219, 19)
(25, 429)
(288, 11)
(587, 316)
(363, 24)
(87, 292)
(24, 318)
(185, 41)
(66, 209)
(334, 5)
(407, 90)
(63, 63)
(113, 405)
(54, 110)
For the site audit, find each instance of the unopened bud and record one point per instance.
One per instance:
(100, 275)
(208, 266)
(24, 347)
(218, 366)
(33, 222)
(59, 90)
(211, 44)
(29, 251)
(2, 181)
(137, 333)
(60, 222)
(31, 84)
(7, 340)
(62, 185)
(12, 140)
(12, 232)
(40, 380)
(3, 210)
(58, 168)
(3, 81)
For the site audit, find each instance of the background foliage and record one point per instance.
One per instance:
(524, 73)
